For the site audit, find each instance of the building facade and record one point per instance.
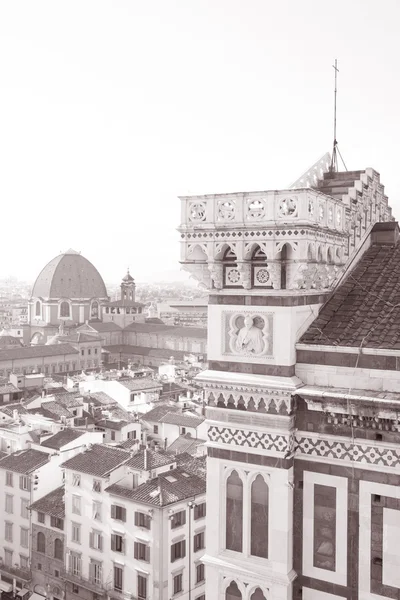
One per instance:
(271, 261)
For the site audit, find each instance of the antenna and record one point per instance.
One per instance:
(334, 162)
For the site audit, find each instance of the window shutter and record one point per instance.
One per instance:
(100, 542)
(183, 517)
(172, 554)
(122, 546)
(147, 522)
(113, 543)
(123, 514)
(147, 554)
(136, 550)
(91, 539)
(113, 511)
(136, 519)
(21, 487)
(183, 548)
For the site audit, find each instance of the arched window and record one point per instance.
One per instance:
(64, 309)
(38, 309)
(94, 313)
(41, 542)
(58, 549)
(233, 592)
(234, 513)
(257, 595)
(259, 518)
(284, 257)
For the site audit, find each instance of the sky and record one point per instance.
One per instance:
(109, 110)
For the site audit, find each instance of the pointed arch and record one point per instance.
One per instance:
(310, 252)
(197, 253)
(234, 512)
(319, 254)
(329, 256)
(258, 594)
(232, 592)
(259, 517)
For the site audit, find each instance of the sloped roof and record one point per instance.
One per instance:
(364, 310)
(124, 302)
(185, 443)
(52, 504)
(98, 461)
(36, 351)
(24, 461)
(100, 397)
(153, 459)
(170, 330)
(62, 438)
(104, 327)
(143, 351)
(158, 412)
(182, 419)
(140, 383)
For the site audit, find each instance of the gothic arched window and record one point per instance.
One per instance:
(58, 549)
(257, 595)
(259, 518)
(41, 542)
(64, 309)
(234, 513)
(233, 592)
(38, 309)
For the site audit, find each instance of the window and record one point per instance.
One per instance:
(257, 595)
(41, 542)
(24, 562)
(57, 523)
(96, 540)
(96, 485)
(76, 480)
(8, 532)
(76, 505)
(178, 519)
(118, 512)
(9, 508)
(118, 578)
(142, 520)
(155, 429)
(9, 479)
(23, 482)
(183, 430)
(24, 537)
(75, 565)
(234, 512)
(40, 517)
(96, 511)
(142, 587)
(89, 351)
(56, 573)
(199, 511)
(39, 566)
(202, 597)
(76, 533)
(200, 570)
(141, 552)
(75, 589)
(24, 508)
(113, 435)
(64, 310)
(38, 310)
(95, 572)
(198, 541)
(95, 350)
(82, 352)
(178, 550)
(8, 557)
(58, 549)
(117, 542)
(233, 592)
(177, 581)
(259, 518)
(131, 435)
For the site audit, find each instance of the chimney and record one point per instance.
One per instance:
(385, 234)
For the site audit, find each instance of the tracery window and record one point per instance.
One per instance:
(234, 513)
(233, 592)
(257, 595)
(64, 309)
(259, 518)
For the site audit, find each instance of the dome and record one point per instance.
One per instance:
(69, 275)
(128, 278)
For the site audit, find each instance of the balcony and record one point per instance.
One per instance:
(86, 582)
(18, 572)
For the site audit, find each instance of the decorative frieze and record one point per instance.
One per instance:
(272, 442)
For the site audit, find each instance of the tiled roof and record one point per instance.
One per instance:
(124, 302)
(24, 461)
(62, 438)
(67, 399)
(101, 398)
(127, 444)
(168, 330)
(37, 352)
(8, 409)
(53, 408)
(97, 461)
(192, 464)
(158, 412)
(182, 419)
(153, 460)
(143, 351)
(140, 383)
(52, 504)
(8, 388)
(167, 488)
(104, 327)
(79, 337)
(364, 310)
(185, 443)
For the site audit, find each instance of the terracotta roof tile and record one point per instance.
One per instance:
(52, 504)
(24, 461)
(98, 461)
(62, 438)
(153, 460)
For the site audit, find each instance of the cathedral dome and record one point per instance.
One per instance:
(69, 275)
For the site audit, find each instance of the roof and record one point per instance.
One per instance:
(157, 413)
(104, 327)
(154, 460)
(79, 337)
(24, 461)
(171, 330)
(100, 397)
(97, 461)
(363, 311)
(69, 275)
(124, 302)
(169, 487)
(52, 408)
(182, 419)
(62, 438)
(8, 409)
(185, 443)
(52, 504)
(192, 464)
(140, 383)
(8, 388)
(9, 340)
(143, 351)
(36, 352)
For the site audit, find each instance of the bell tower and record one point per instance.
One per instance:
(128, 288)
(269, 260)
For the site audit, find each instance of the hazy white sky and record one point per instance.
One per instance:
(110, 110)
